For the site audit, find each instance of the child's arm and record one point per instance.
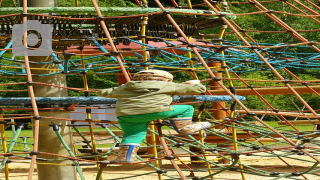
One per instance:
(188, 88)
(105, 92)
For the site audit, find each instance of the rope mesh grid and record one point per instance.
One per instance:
(177, 40)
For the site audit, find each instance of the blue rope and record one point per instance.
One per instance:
(300, 58)
(7, 47)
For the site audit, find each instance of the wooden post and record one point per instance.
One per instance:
(48, 140)
(218, 113)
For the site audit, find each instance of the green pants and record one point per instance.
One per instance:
(135, 127)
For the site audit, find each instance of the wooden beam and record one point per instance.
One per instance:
(300, 122)
(269, 91)
(283, 113)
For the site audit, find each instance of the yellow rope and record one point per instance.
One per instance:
(44, 69)
(4, 146)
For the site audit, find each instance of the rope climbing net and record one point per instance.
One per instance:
(245, 71)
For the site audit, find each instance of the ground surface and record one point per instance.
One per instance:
(271, 164)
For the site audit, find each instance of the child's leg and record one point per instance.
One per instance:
(134, 131)
(181, 111)
(134, 128)
(181, 120)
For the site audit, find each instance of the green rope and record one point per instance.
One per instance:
(84, 138)
(13, 142)
(56, 130)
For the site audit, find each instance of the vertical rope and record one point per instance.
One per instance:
(88, 113)
(33, 101)
(106, 32)
(4, 145)
(168, 153)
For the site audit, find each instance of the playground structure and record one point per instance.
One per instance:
(121, 41)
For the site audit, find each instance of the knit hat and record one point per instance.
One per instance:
(154, 73)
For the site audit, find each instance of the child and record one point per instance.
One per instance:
(146, 98)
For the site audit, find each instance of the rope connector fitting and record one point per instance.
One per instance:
(286, 81)
(83, 72)
(300, 153)
(178, 145)
(114, 53)
(251, 114)
(36, 117)
(216, 79)
(255, 147)
(270, 11)
(95, 153)
(300, 147)
(306, 140)
(57, 62)
(296, 174)
(29, 83)
(222, 14)
(55, 127)
(274, 174)
(233, 168)
(235, 155)
(192, 45)
(24, 14)
(34, 153)
(166, 12)
(161, 171)
(169, 157)
(100, 18)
